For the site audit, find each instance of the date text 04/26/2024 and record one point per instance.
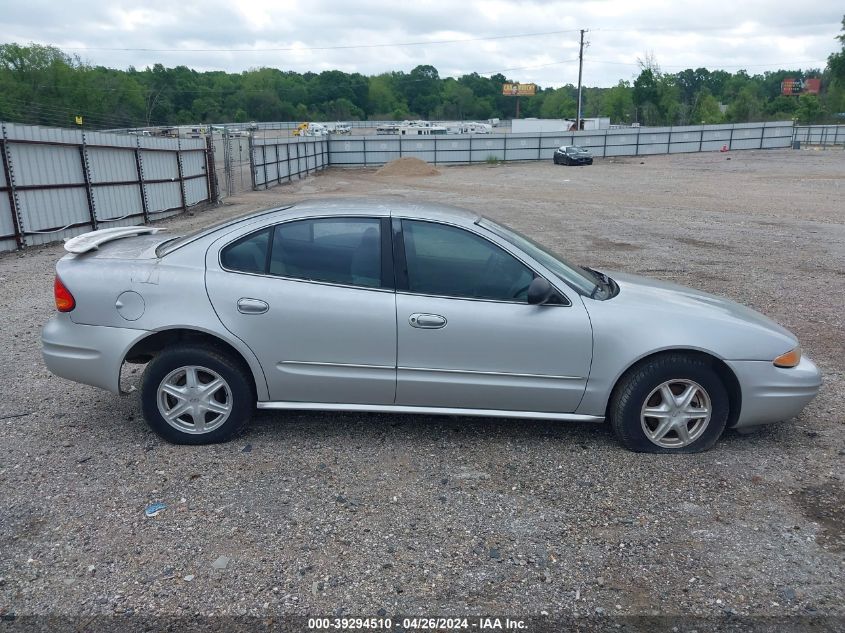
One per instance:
(418, 624)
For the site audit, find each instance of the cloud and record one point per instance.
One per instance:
(756, 35)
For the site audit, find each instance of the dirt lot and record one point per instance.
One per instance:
(386, 514)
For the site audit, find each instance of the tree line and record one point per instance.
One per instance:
(43, 85)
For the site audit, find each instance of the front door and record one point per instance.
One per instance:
(311, 299)
(467, 337)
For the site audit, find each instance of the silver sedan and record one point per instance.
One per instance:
(358, 305)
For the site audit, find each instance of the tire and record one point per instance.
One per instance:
(211, 415)
(556, 161)
(643, 391)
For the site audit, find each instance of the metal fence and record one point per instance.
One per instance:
(467, 148)
(823, 135)
(276, 161)
(56, 183)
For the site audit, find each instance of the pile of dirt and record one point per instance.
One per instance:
(408, 166)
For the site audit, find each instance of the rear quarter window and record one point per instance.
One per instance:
(248, 254)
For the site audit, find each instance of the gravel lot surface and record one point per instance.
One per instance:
(364, 514)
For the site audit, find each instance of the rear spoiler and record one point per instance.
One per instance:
(91, 241)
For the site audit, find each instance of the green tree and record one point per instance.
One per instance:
(706, 109)
(619, 103)
(559, 105)
(809, 109)
(745, 107)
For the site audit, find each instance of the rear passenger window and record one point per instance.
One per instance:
(248, 254)
(335, 250)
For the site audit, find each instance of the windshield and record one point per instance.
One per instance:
(580, 279)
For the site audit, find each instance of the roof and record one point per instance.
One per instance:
(383, 206)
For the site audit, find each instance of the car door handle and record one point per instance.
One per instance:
(427, 321)
(252, 306)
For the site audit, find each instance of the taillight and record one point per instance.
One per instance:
(64, 300)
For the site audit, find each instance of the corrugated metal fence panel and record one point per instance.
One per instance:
(519, 147)
(46, 164)
(7, 225)
(163, 196)
(196, 191)
(117, 201)
(821, 134)
(112, 140)
(112, 165)
(38, 134)
(159, 165)
(44, 209)
(383, 150)
(347, 151)
(746, 137)
(193, 163)
(422, 148)
(487, 148)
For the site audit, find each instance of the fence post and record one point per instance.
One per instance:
(210, 169)
(731, 137)
(700, 138)
(264, 161)
(435, 149)
(637, 148)
(14, 203)
(836, 135)
(86, 177)
(365, 150)
(669, 142)
(140, 168)
(278, 165)
(287, 152)
(181, 174)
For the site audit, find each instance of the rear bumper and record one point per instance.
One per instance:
(772, 394)
(89, 354)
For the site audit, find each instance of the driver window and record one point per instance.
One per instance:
(448, 261)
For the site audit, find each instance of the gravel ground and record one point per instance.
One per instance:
(365, 514)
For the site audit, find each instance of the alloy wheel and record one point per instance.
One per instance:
(194, 399)
(676, 413)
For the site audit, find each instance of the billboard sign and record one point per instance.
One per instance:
(519, 90)
(792, 86)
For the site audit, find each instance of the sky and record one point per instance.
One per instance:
(530, 41)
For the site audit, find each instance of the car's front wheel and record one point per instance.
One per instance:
(196, 395)
(675, 403)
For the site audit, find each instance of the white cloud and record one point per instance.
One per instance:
(755, 34)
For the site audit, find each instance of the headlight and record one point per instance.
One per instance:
(790, 359)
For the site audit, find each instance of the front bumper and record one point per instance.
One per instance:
(89, 354)
(772, 394)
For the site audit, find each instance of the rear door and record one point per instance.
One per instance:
(467, 338)
(313, 298)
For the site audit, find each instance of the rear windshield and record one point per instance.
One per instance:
(181, 240)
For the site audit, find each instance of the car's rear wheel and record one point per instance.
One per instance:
(195, 395)
(675, 403)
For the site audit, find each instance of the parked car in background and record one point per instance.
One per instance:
(359, 305)
(572, 155)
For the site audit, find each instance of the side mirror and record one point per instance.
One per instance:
(539, 291)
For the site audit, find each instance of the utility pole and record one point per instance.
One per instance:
(580, 69)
